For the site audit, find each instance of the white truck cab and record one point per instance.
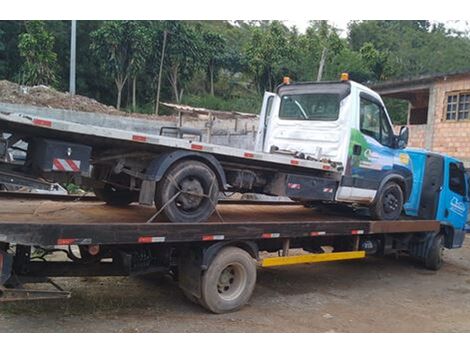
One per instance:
(347, 123)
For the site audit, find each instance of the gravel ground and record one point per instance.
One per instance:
(371, 295)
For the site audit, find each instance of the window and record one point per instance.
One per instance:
(320, 107)
(374, 123)
(456, 179)
(458, 106)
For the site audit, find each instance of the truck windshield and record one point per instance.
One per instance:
(323, 107)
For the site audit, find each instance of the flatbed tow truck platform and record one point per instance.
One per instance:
(214, 262)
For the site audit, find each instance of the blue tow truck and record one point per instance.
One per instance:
(329, 143)
(440, 191)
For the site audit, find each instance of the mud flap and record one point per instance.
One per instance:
(454, 239)
(190, 271)
(6, 263)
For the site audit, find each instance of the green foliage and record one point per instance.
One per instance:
(35, 46)
(222, 64)
(121, 47)
(268, 54)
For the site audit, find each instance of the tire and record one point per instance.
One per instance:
(434, 259)
(115, 196)
(190, 176)
(389, 203)
(229, 281)
(110, 194)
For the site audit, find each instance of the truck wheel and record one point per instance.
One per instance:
(389, 203)
(115, 196)
(434, 258)
(229, 281)
(111, 194)
(188, 192)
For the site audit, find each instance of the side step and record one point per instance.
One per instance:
(311, 258)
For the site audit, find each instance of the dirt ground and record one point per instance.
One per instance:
(44, 96)
(371, 295)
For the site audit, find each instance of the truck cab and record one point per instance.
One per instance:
(347, 123)
(440, 192)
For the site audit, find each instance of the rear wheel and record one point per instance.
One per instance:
(188, 192)
(115, 196)
(112, 193)
(389, 203)
(229, 281)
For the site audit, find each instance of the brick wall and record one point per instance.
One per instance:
(417, 133)
(450, 137)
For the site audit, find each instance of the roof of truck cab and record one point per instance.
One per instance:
(427, 152)
(343, 88)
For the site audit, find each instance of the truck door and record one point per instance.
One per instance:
(453, 202)
(371, 150)
(264, 115)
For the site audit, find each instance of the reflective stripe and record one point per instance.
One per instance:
(66, 165)
(197, 147)
(271, 235)
(139, 138)
(150, 239)
(212, 237)
(41, 122)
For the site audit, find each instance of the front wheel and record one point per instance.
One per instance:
(434, 258)
(188, 192)
(388, 204)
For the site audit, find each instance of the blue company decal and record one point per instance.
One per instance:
(457, 206)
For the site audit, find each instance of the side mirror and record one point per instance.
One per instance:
(403, 136)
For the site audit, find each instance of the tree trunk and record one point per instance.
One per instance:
(118, 103)
(270, 82)
(211, 73)
(134, 88)
(157, 100)
(174, 82)
(120, 82)
(322, 64)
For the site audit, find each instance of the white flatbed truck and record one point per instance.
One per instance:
(317, 142)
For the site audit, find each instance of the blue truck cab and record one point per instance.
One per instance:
(439, 192)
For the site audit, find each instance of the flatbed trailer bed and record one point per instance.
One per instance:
(182, 176)
(206, 258)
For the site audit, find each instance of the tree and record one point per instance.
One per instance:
(214, 55)
(376, 61)
(120, 47)
(267, 54)
(183, 55)
(35, 46)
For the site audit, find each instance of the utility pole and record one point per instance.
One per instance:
(157, 103)
(73, 47)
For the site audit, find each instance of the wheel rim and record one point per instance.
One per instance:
(192, 194)
(231, 282)
(390, 202)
